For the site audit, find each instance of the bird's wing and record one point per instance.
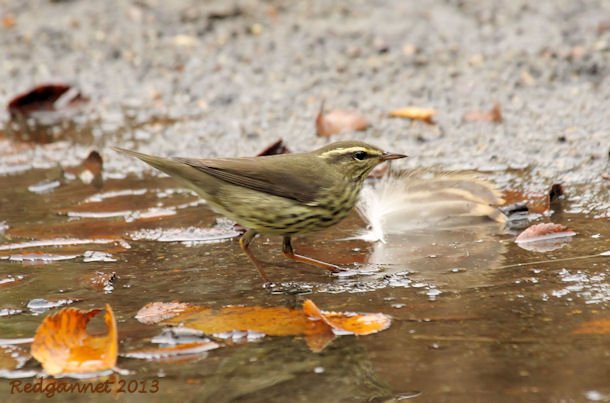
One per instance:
(290, 177)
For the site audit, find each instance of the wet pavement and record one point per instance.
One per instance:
(476, 316)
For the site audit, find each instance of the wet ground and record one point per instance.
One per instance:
(475, 317)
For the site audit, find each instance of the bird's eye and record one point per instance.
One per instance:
(359, 155)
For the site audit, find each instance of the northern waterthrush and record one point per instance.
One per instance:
(286, 195)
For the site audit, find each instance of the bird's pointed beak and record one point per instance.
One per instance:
(390, 156)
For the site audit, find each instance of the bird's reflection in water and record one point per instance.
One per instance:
(286, 370)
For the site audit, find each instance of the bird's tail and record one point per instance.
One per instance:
(167, 165)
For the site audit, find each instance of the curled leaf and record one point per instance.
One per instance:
(48, 97)
(544, 237)
(415, 113)
(339, 121)
(493, 115)
(275, 148)
(349, 323)
(63, 345)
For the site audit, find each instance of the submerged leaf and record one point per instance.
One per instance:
(597, 326)
(62, 344)
(339, 121)
(173, 351)
(271, 321)
(155, 312)
(415, 113)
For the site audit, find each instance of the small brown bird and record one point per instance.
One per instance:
(286, 195)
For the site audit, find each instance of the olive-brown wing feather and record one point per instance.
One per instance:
(292, 178)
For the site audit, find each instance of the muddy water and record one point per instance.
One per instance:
(475, 316)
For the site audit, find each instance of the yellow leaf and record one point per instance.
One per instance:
(414, 113)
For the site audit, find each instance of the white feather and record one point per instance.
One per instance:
(399, 203)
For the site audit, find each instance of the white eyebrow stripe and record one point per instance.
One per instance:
(343, 151)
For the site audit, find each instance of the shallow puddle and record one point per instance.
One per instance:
(474, 313)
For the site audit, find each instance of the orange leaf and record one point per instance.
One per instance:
(272, 321)
(318, 327)
(339, 121)
(155, 312)
(414, 113)
(493, 115)
(62, 344)
(349, 323)
(172, 351)
(598, 326)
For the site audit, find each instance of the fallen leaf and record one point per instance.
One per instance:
(12, 357)
(349, 323)
(556, 192)
(90, 170)
(536, 202)
(274, 149)
(415, 113)
(597, 326)
(10, 280)
(271, 321)
(339, 121)
(494, 115)
(101, 280)
(318, 327)
(544, 237)
(155, 312)
(62, 345)
(47, 97)
(172, 351)
(45, 113)
(8, 21)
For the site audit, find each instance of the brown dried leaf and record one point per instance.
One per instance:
(544, 237)
(47, 97)
(155, 312)
(339, 121)
(172, 351)
(493, 115)
(597, 326)
(274, 149)
(415, 113)
(350, 323)
(62, 344)
(90, 170)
